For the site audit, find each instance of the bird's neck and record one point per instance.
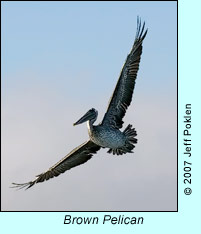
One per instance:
(89, 126)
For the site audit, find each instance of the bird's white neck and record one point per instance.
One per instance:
(89, 126)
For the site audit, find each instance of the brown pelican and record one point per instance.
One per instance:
(107, 133)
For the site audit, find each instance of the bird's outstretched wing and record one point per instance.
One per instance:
(122, 94)
(78, 156)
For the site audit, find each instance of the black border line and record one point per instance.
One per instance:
(120, 211)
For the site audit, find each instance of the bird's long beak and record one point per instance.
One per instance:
(84, 118)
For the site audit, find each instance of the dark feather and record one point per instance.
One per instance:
(123, 92)
(78, 156)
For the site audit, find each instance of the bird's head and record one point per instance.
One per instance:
(91, 115)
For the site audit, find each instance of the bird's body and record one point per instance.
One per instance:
(107, 133)
(107, 137)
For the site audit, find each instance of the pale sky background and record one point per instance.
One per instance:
(60, 59)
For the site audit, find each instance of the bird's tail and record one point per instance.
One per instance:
(130, 134)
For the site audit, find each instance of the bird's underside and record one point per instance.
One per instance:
(118, 142)
(107, 133)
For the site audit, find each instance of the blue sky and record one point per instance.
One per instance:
(36, 35)
(58, 60)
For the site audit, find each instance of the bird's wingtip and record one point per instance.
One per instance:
(21, 186)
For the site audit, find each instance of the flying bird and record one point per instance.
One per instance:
(107, 133)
